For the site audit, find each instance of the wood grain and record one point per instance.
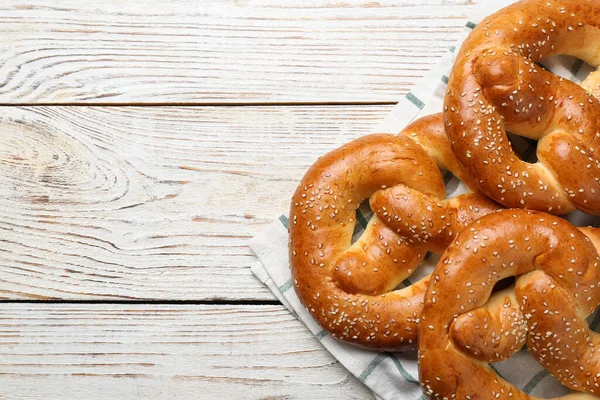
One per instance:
(158, 203)
(227, 51)
(63, 351)
(151, 203)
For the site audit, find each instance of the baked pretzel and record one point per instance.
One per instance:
(557, 288)
(349, 288)
(496, 85)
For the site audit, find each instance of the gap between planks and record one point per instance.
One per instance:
(152, 302)
(206, 104)
(134, 352)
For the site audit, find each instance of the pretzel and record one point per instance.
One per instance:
(496, 85)
(559, 270)
(349, 288)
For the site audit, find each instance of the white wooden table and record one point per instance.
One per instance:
(142, 144)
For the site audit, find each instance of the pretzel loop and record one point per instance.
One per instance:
(496, 86)
(349, 288)
(557, 289)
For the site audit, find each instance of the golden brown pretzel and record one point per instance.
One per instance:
(495, 85)
(557, 289)
(349, 289)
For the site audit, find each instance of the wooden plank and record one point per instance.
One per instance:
(61, 351)
(152, 203)
(240, 51)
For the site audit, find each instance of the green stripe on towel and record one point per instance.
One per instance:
(284, 221)
(361, 219)
(369, 368)
(576, 66)
(286, 286)
(415, 100)
(537, 378)
(403, 372)
(321, 335)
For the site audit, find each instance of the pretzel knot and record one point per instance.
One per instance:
(496, 85)
(349, 288)
(557, 288)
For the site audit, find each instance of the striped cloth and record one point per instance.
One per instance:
(395, 375)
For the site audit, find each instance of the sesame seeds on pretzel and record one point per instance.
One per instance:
(350, 288)
(496, 86)
(558, 269)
